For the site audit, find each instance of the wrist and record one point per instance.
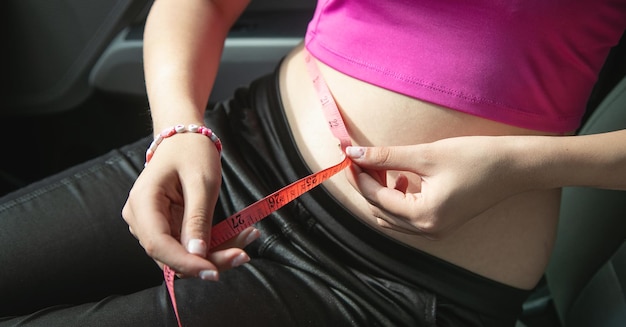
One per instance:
(180, 129)
(166, 114)
(167, 123)
(532, 162)
(548, 162)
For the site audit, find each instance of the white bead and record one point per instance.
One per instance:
(193, 128)
(153, 146)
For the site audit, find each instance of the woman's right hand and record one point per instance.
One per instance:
(171, 204)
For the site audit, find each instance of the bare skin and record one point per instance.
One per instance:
(477, 193)
(510, 242)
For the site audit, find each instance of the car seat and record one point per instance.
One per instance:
(586, 277)
(53, 46)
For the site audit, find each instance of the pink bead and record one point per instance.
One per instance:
(149, 155)
(168, 132)
(218, 145)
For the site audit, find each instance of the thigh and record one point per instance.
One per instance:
(63, 240)
(260, 293)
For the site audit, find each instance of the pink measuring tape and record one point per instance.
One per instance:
(253, 213)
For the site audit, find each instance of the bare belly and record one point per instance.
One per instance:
(509, 243)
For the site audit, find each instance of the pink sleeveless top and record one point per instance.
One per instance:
(528, 63)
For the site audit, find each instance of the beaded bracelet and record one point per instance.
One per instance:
(191, 128)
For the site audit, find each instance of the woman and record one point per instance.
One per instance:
(450, 224)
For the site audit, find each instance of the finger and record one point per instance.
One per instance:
(391, 224)
(354, 170)
(373, 191)
(385, 158)
(167, 250)
(154, 232)
(230, 254)
(198, 216)
(352, 174)
(229, 258)
(379, 175)
(241, 240)
(386, 220)
(176, 220)
(389, 199)
(367, 184)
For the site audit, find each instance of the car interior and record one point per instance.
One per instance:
(74, 89)
(74, 75)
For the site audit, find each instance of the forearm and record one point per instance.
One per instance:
(597, 160)
(183, 43)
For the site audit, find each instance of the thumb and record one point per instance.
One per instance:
(385, 157)
(196, 232)
(197, 220)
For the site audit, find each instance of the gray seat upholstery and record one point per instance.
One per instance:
(586, 277)
(52, 46)
(587, 273)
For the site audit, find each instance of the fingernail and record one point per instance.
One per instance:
(211, 275)
(254, 234)
(240, 259)
(355, 152)
(197, 246)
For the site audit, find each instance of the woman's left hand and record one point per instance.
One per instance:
(434, 188)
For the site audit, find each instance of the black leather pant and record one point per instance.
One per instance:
(68, 258)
